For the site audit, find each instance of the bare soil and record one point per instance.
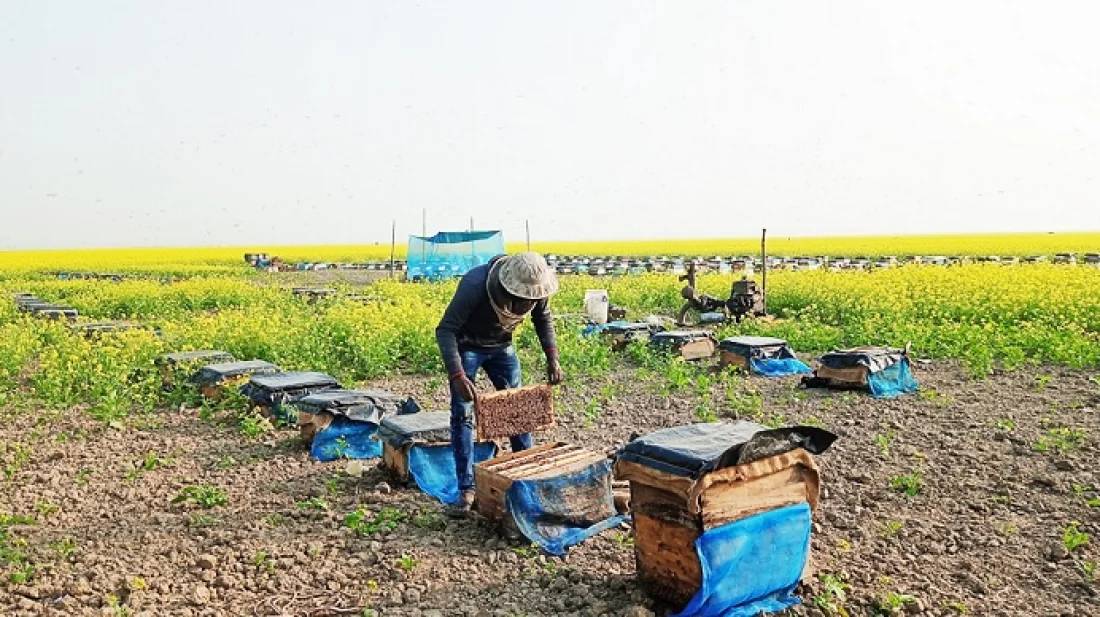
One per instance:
(984, 534)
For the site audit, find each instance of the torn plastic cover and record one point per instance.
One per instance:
(873, 358)
(358, 405)
(697, 449)
(423, 427)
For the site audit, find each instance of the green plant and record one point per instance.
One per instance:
(313, 503)
(64, 547)
(202, 520)
(883, 442)
(1042, 381)
(1007, 528)
(15, 456)
(958, 607)
(909, 485)
(46, 509)
(406, 563)
(203, 495)
(1061, 440)
(527, 552)
(1006, 425)
(592, 411)
(1093, 503)
(1073, 538)
(251, 425)
(22, 573)
(892, 603)
(624, 540)
(832, 595)
(430, 520)
(1089, 570)
(115, 606)
(151, 462)
(889, 529)
(275, 519)
(362, 523)
(82, 476)
(262, 561)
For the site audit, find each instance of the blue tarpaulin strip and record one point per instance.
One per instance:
(345, 438)
(892, 381)
(544, 510)
(773, 367)
(433, 468)
(752, 566)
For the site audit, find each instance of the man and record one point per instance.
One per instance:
(476, 332)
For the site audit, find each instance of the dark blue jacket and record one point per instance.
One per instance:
(471, 324)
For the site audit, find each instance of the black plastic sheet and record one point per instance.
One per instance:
(423, 427)
(358, 405)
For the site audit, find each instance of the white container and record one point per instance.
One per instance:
(596, 305)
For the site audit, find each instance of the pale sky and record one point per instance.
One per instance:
(148, 123)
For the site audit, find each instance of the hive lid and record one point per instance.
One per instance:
(292, 380)
(873, 358)
(358, 405)
(208, 355)
(679, 335)
(622, 327)
(213, 373)
(757, 347)
(426, 426)
(697, 449)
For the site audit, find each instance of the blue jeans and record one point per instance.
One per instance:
(502, 368)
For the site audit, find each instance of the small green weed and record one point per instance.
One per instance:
(892, 603)
(958, 607)
(1041, 382)
(1006, 426)
(833, 594)
(82, 476)
(909, 485)
(275, 519)
(362, 523)
(407, 563)
(64, 547)
(151, 462)
(46, 509)
(251, 425)
(624, 540)
(262, 561)
(883, 440)
(1007, 528)
(430, 521)
(1061, 440)
(889, 529)
(313, 503)
(202, 520)
(203, 495)
(1073, 538)
(1089, 571)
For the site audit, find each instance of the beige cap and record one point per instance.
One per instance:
(526, 275)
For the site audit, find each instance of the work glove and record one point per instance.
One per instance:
(464, 387)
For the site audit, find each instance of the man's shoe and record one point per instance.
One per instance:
(462, 507)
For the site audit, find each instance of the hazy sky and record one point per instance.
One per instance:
(237, 123)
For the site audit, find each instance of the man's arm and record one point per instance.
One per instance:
(446, 333)
(544, 327)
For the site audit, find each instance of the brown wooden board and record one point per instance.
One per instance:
(511, 412)
(396, 461)
(309, 424)
(854, 376)
(728, 358)
(698, 349)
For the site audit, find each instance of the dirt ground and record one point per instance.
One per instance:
(985, 534)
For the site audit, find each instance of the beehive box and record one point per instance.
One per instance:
(506, 413)
(494, 477)
(690, 344)
(621, 334)
(400, 433)
(273, 395)
(852, 367)
(737, 351)
(214, 379)
(172, 364)
(672, 511)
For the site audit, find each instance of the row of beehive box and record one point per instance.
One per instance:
(671, 512)
(29, 303)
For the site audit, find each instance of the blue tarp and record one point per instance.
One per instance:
(346, 438)
(752, 566)
(450, 254)
(772, 367)
(893, 381)
(559, 512)
(433, 468)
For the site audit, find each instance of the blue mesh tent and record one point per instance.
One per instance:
(451, 253)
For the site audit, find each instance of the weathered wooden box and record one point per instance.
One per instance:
(399, 434)
(494, 477)
(621, 334)
(188, 362)
(672, 511)
(274, 395)
(515, 411)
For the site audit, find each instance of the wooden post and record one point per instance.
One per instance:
(764, 260)
(393, 248)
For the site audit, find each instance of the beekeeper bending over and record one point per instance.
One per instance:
(476, 332)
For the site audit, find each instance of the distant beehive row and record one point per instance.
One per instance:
(33, 305)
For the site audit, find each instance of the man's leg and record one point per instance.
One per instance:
(462, 425)
(503, 370)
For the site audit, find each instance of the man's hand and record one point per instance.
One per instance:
(464, 387)
(553, 371)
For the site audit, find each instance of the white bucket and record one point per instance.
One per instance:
(596, 304)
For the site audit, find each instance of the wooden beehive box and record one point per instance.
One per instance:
(429, 429)
(506, 413)
(670, 512)
(494, 477)
(690, 344)
(215, 379)
(728, 358)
